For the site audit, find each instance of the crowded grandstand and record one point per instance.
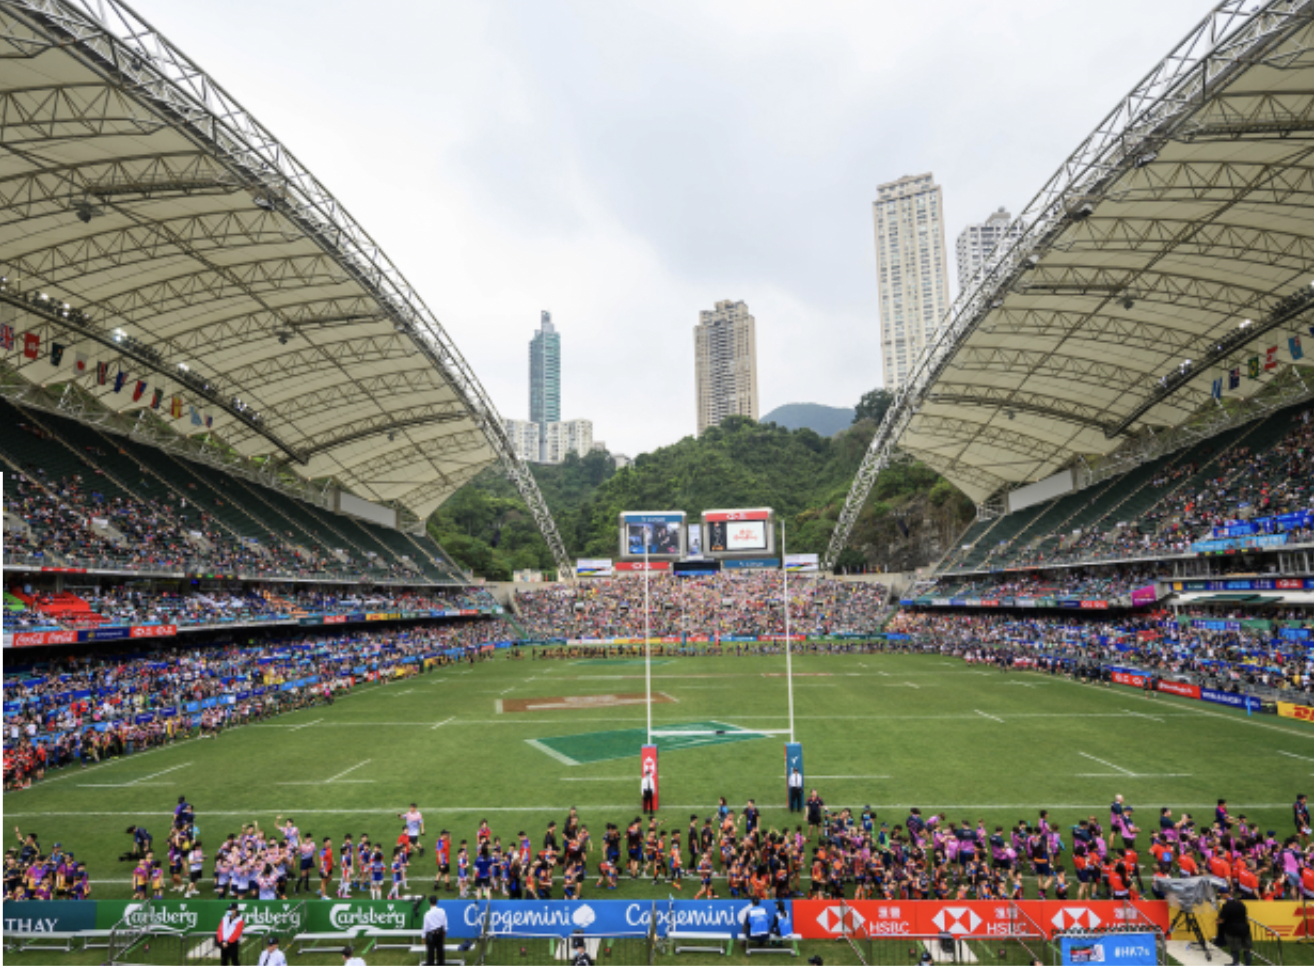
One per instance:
(212, 556)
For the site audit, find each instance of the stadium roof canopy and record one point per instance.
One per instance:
(1175, 245)
(198, 256)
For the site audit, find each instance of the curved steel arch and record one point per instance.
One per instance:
(96, 56)
(1159, 146)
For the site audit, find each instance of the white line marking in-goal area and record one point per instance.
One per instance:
(340, 778)
(990, 716)
(1123, 772)
(144, 780)
(1137, 714)
(306, 725)
(441, 723)
(550, 752)
(598, 779)
(1291, 755)
(401, 694)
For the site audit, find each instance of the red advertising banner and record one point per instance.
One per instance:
(716, 515)
(336, 619)
(824, 919)
(63, 570)
(1131, 680)
(154, 630)
(640, 565)
(1176, 687)
(649, 770)
(37, 638)
(1094, 605)
(989, 603)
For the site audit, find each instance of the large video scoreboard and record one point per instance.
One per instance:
(662, 533)
(735, 532)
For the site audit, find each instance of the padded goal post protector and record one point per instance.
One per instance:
(648, 769)
(794, 759)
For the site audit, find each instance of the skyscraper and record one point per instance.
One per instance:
(545, 373)
(912, 269)
(544, 379)
(725, 364)
(977, 242)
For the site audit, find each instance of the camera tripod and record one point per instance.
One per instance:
(1190, 922)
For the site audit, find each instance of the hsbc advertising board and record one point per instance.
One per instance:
(823, 919)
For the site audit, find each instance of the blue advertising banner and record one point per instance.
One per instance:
(601, 917)
(1231, 700)
(1128, 948)
(755, 563)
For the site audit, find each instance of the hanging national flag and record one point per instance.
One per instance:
(175, 407)
(80, 363)
(1253, 367)
(120, 378)
(140, 388)
(1218, 388)
(1270, 358)
(155, 400)
(1296, 351)
(57, 353)
(209, 422)
(7, 337)
(1234, 378)
(102, 373)
(31, 345)
(196, 417)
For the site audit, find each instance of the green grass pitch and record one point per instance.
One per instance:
(890, 731)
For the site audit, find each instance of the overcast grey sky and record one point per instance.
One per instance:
(625, 164)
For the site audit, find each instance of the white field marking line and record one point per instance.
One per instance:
(848, 777)
(441, 723)
(1137, 714)
(611, 806)
(598, 779)
(1107, 764)
(1120, 776)
(143, 780)
(990, 716)
(508, 690)
(1026, 684)
(400, 694)
(1239, 719)
(1290, 755)
(706, 687)
(497, 706)
(338, 778)
(550, 752)
(306, 725)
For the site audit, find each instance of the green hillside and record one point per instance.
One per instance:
(823, 420)
(802, 475)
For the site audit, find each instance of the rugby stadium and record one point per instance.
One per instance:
(255, 712)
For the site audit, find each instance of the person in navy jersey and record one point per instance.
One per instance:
(483, 874)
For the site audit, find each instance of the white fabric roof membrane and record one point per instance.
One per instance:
(134, 189)
(1182, 229)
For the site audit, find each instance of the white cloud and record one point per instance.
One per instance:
(625, 165)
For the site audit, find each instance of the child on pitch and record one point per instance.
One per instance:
(677, 862)
(398, 873)
(325, 867)
(348, 858)
(483, 872)
(705, 876)
(442, 853)
(607, 872)
(376, 874)
(463, 870)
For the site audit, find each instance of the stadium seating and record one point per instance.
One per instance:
(162, 510)
(1158, 508)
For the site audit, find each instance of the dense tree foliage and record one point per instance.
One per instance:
(803, 476)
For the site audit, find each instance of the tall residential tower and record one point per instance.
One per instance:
(977, 242)
(912, 269)
(545, 373)
(725, 364)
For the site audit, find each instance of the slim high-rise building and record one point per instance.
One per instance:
(545, 373)
(977, 242)
(544, 379)
(725, 364)
(912, 269)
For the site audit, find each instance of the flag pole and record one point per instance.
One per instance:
(789, 666)
(647, 633)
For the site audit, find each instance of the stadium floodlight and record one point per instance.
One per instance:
(1148, 158)
(264, 202)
